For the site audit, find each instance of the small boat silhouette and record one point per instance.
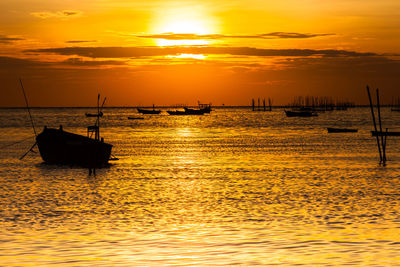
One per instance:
(148, 111)
(300, 113)
(341, 130)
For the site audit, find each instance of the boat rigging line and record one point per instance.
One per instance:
(30, 116)
(27, 107)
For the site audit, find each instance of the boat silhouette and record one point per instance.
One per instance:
(300, 113)
(57, 146)
(148, 111)
(186, 111)
(94, 114)
(341, 130)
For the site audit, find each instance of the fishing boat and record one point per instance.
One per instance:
(192, 111)
(148, 111)
(205, 107)
(94, 114)
(135, 118)
(300, 113)
(57, 146)
(341, 130)
(379, 133)
(186, 111)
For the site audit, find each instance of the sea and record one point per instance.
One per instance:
(234, 187)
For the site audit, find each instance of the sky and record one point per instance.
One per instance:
(181, 52)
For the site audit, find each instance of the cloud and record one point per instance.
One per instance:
(79, 62)
(80, 41)
(8, 63)
(137, 52)
(193, 36)
(63, 14)
(4, 39)
(12, 63)
(73, 82)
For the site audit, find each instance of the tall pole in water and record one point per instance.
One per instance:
(269, 103)
(27, 106)
(373, 120)
(380, 128)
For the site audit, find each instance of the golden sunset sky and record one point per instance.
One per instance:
(179, 52)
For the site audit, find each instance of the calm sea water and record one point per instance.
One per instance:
(232, 188)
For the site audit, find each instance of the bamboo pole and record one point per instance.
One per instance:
(373, 120)
(380, 127)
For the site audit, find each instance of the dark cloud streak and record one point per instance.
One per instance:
(80, 41)
(193, 36)
(4, 39)
(137, 52)
(58, 14)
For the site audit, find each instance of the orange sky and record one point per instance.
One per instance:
(179, 52)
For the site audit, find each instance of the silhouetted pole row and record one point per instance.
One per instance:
(320, 103)
(264, 108)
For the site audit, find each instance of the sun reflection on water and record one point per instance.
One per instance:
(242, 188)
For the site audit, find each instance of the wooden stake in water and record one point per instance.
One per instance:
(380, 128)
(270, 104)
(373, 120)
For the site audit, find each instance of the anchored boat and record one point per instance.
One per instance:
(341, 130)
(148, 111)
(300, 113)
(57, 146)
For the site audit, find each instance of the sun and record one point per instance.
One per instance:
(183, 21)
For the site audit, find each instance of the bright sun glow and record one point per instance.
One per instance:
(191, 20)
(184, 26)
(195, 56)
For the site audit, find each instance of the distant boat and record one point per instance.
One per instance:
(192, 111)
(57, 146)
(148, 111)
(205, 107)
(378, 133)
(100, 114)
(135, 118)
(341, 130)
(300, 113)
(187, 111)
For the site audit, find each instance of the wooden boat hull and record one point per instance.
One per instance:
(147, 111)
(191, 111)
(341, 130)
(91, 115)
(186, 112)
(60, 147)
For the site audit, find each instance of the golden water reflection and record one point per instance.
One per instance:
(201, 191)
